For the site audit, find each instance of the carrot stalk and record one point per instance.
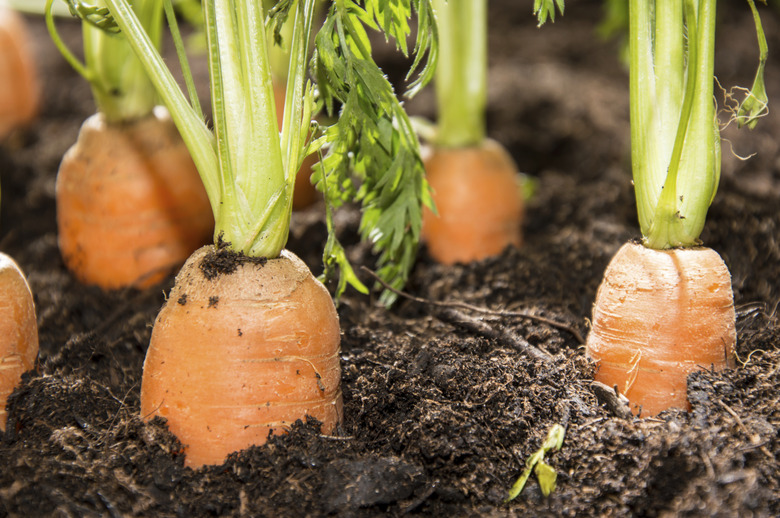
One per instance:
(19, 85)
(18, 330)
(461, 73)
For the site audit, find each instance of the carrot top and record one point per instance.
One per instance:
(120, 87)
(248, 167)
(461, 71)
(675, 137)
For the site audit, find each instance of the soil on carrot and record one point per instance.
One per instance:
(443, 404)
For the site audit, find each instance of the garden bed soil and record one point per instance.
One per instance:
(443, 405)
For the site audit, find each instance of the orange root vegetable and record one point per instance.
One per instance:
(130, 203)
(479, 203)
(304, 193)
(660, 315)
(239, 353)
(18, 330)
(19, 88)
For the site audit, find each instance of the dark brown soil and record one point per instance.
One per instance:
(442, 405)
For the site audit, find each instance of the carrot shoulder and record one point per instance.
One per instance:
(237, 355)
(130, 203)
(18, 330)
(19, 87)
(478, 200)
(660, 315)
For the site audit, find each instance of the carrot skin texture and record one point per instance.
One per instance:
(18, 330)
(242, 355)
(20, 89)
(660, 315)
(479, 203)
(130, 203)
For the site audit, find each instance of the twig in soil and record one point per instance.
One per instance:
(616, 403)
(463, 305)
(754, 439)
(708, 465)
(414, 504)
(478, 326)
(336, 438)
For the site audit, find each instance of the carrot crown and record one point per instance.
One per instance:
(120, 87)
(675, 137)
(248, 167)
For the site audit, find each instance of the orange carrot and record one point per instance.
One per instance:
(479, 203)
(277, 360)
(660, 315)
(19, 88)
(473, 179)
(130, 203)
(304, 193)
(18, 330)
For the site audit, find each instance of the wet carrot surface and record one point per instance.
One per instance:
(660, 315)
(18, 330)
(19, 86)
(478, 200)
(130, 203)
(236, 356)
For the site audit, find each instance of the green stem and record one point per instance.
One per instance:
(756, 102)
(675, 140)
(245, 124)
(298, 99)
(178, 42)
(646, 161)
(119, 84)
(461, 73)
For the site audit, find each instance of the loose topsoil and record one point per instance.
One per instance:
(443, 405)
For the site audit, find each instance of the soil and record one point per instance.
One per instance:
(443, 405)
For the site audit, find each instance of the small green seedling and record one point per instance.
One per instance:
(545, 474)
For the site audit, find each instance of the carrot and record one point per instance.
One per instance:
(248, 342)
(130, 204)
(19, 86)
(665, 307)
(474, 181)
(279, 335)
(18, 330)
(660, 315)
(477, 196)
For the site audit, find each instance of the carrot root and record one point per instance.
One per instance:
(236, 356)
(130, 203)
(660, 315)
(19, 85)
(18, 330)
(479, 203)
